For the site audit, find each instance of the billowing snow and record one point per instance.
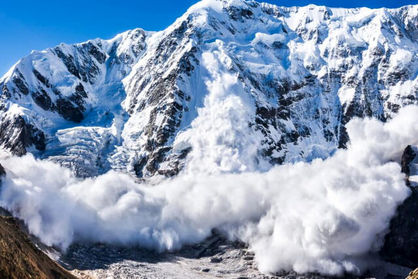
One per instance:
(310, 217)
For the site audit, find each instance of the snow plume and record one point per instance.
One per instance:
(310, 217)
(225, 140)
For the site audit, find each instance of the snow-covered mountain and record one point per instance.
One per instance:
(241, 83)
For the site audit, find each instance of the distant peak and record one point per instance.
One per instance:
(219, 5)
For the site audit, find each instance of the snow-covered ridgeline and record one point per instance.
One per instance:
(285, 79)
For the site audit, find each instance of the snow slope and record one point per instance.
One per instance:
(245, 84)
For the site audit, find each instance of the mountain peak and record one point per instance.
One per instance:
(218, 5)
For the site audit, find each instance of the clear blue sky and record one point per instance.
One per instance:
(30, 24)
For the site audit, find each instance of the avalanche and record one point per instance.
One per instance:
(310, 217)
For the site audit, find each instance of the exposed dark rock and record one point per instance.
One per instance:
(156, 157)
(2, 171)
(93, 50)
(69, 111)
(216, 260)
(41, 78)
(42, 99)
(395, 77)
(5, 92)
(393, 107)
(68, 62)
(239, 14)
(80, 90)
(401, 243)
(78, 97)
(16, 135)
(407, 158)
(176, 162)
(20, 84)
(343, 137)
(139, 166)
(185, 64)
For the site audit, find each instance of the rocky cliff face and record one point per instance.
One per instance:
(284, 81)
(401, 243)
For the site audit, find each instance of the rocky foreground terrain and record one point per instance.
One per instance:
(214, 258)
(20, 259)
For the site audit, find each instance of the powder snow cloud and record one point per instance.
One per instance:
(309, 217)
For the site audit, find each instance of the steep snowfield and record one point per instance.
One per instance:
(259, 84)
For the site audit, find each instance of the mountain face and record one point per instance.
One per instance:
(257, 83)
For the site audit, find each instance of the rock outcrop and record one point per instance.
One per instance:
(2, 171)
(401, 243)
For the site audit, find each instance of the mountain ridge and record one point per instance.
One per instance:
(299, 74)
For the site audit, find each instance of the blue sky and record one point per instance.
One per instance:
(29, 24)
